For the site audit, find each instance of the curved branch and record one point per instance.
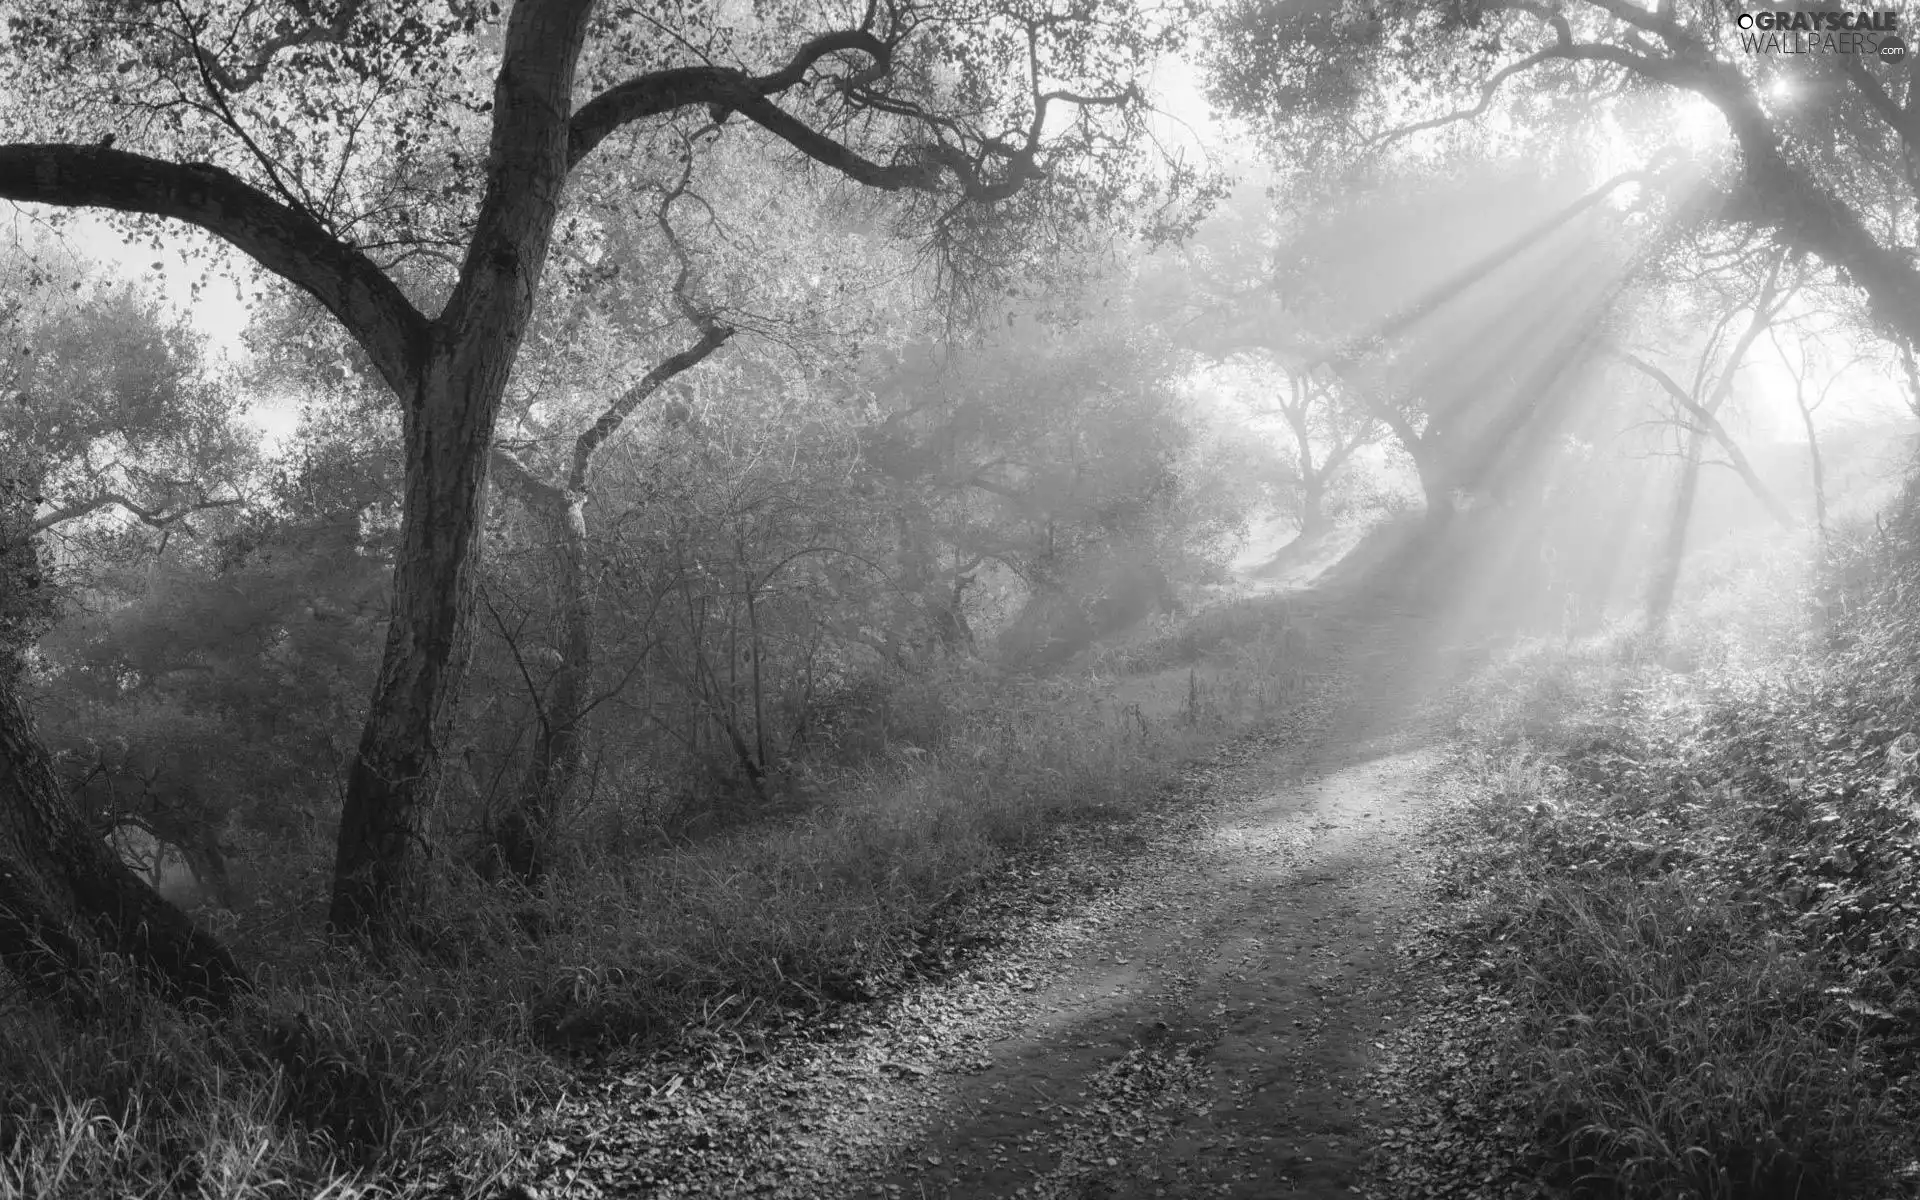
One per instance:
(153, 517)
(232, 80)
(660, 92)
(674, 364)
(899, 176)
(713, 334)
(1487, 92)
(286, 242)
(1778, 192)
(725, 91)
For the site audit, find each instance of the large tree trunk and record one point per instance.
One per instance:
(458, 374)
(379, 884)
(65, 896)
(950, 618)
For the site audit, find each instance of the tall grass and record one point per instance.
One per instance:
(1691, 892)
(345, 1078)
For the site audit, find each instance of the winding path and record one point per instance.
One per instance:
(1199, 1027)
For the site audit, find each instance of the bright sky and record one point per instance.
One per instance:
(219, 311)
(1184, 120)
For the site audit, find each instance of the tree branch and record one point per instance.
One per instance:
(1487, 93)
(1711, 424)
(520, 476)
(713, 335)
(726, 90)
(291, 244)
(660, 92)
(1902, 121)
(247, 75)
(1777, 192)
(153, 517)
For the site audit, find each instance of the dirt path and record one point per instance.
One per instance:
(1209, 1036)
(1200, 1028)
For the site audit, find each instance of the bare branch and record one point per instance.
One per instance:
(713, 335)
(153, 517)
(1487, 93)
(725, 91)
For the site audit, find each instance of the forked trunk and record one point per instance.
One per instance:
(450, 388)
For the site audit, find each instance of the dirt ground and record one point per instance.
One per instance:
(1197, 1024)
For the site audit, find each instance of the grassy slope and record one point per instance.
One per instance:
(341, 1072)
(1683, 957)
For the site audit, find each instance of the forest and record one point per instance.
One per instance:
(1070, 599)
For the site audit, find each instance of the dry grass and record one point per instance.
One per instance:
(1650, 884)
(342, 1079)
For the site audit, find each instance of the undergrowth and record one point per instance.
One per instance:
(343, 1077)
(1694, 879)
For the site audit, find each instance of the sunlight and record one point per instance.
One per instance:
(1183, 119)
(219, 310)
(277, 420)
(946, 587)
(1698, 126)
(1633, 131)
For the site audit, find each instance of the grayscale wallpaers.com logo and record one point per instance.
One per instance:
(1875, 34)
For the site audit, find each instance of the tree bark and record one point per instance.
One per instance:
(449, 414)
(65, 896)
(523, 838)
(1313, 505)
(379, 881)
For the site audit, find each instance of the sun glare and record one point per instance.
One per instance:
(1697, 125)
